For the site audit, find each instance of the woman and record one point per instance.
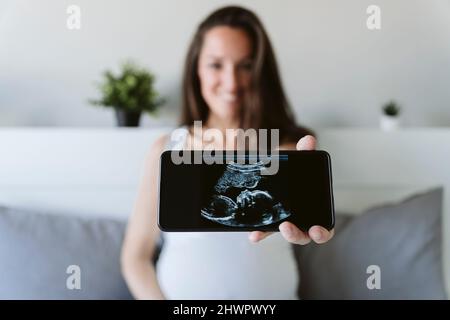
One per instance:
(231, 81)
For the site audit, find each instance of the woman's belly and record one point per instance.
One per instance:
(226, 266)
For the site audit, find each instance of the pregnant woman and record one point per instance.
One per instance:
(231, 81)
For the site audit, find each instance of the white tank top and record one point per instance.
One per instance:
(225, 265)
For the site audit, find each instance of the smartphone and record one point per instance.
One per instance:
(223, 191)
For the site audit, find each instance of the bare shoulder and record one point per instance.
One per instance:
(161, 141)
(293, 136)
(157, 147)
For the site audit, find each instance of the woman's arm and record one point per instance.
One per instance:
(142, 232)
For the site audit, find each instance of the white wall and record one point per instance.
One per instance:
(336, 71)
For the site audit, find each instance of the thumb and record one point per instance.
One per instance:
(307, 143)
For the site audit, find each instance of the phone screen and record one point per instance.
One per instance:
(244, 192)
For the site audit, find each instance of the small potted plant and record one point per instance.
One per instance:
(130, 93)
(390, 118)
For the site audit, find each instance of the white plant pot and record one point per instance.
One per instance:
(389, 123)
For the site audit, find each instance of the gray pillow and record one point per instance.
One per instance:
(37, 248)
(403, 239)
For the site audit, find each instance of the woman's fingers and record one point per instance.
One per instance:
(291, 233)
(320, 234)
(306, 143)
(256, 236)
(294, 235)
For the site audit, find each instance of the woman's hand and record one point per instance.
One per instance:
(289, 231)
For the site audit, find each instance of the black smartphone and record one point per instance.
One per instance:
(223, 191)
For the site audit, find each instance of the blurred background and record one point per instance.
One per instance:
(69, 176)
(336, 71)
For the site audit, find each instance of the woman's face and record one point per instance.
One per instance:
(224, 69)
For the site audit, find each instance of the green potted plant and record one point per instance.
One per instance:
(130, 93)
(390, 117)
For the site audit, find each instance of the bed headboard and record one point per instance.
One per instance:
(97, 171)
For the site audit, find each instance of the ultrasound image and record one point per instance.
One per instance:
(244, 198)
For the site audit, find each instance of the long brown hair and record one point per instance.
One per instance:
(266, 105)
